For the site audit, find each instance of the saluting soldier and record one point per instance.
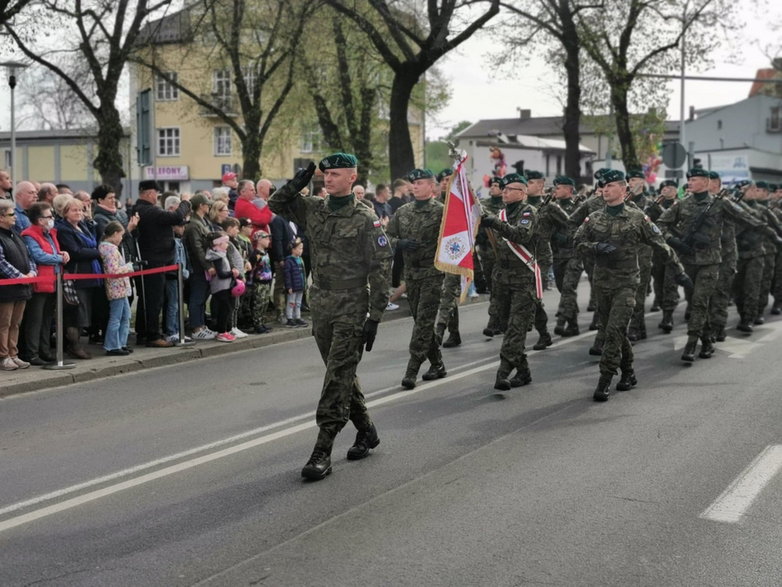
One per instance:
(568, 267)
(486, 242)
(514, 276)
(414, 229)
(349, 251)
(666, 292)
(612, 236)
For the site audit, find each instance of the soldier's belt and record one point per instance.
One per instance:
(329, 283)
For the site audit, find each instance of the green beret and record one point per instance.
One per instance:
(714, 175)
(601, 172)
(697, 172)
(533, 175)
(763, 185)
(636, 173)
(772, 187)
(495, 179)
(512, 178)
(338, 161)
(564, 180)
(447, 172)
(420, 174)
(668, 183)
(612, 175)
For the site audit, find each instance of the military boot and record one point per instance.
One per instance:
(642, 330)
(572, 329)
(688, 354)
(602, 391)
(521, 378)
(560, 326)
(408, 381)
(720, 335)
(707, 348)
(543, 342)
(593, 324)
(655, 305)
(666, 324)
(627, 380)
(502, 382)
(454, 339)
(776, 310)
(365, 440)
(319, 464)
(759, 320)
(632, 334)
(745, 325)
(435, 372)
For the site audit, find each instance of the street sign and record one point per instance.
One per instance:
(674, 155)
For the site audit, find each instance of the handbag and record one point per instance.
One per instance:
(69, 292)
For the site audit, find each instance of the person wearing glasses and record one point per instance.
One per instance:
(44, 248)
(15, 263)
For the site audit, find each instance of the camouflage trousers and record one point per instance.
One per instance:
(645, 265)
(776, 286)
(337, 324)
(746, 287)
(720, 298)
(541, 318)
(615, 306)
(423, 295)
(769, 265)
(521, 297)
(666, 290)
(567, 274)
(704, 280)
(259, 302)
(448, 310)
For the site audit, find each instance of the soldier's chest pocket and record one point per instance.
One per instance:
(342, 238)
(429, 226)
(626, 232)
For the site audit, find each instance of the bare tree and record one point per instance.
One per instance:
(410, 50)
(105, 32)
(10, 8)
(257, 42)
(49, 103)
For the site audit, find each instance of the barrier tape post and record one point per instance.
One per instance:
(181, 307)
(60, 364)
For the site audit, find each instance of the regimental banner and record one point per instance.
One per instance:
(459, 225)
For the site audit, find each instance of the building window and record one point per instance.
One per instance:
(221, 83)
(774, 122)
(168, 142)
(250, 79)
(719, 125)
(222, 140)
(165, 91)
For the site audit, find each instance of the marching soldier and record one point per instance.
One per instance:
(770, 247)
(612, 236)
(487, 244)
(567, 265)
(720, 298)
(414, 229)
(775, 192)
(448, 311)
(666, 292)
(514, 277)
(349, 251)
(637, 195)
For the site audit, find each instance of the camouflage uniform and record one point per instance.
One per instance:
(568, 267)
(516, 283)
(448, 310)
(720, 298)
(577, 218)
(769, 259)
(749, 269)
(420, 221)
(487, 241)
(349, 250)
(776, 286)
(638, 323)
(617, 275)
(666, 291)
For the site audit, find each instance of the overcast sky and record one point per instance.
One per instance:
(476, 94)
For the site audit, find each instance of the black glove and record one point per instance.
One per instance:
(302, 177)
(369, 333)
(684, 280)
(407, 244)
(678, 245)
(700, 241)
(604, 248)
(490, 222)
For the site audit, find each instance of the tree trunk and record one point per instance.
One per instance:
(251, 156)
(400, 147)
(108, 162)
(572, 122)
(619, 90)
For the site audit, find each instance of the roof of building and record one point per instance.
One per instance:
(539, 126)
(768, 73)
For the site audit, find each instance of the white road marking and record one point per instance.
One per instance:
(738, 497)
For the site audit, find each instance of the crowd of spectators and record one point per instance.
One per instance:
(244, 268)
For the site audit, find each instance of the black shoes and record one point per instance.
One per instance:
(559, 329)
(776, 310)
(434, 372)
(602, 391)
(491, 332)
(502, 383)
(523, 377)
(117, 353)
(707, 349)
(759, 320)
(666, 324)
(745, 326)
(571, 330)
(627, 381)
(318, 466)
(688, 355)
(596, 350)
(408, 381)
(453, 340)
(720, 336)
(632, 335)
(365, 440)
(543, 342)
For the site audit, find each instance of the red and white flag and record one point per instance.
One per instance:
(461, 216)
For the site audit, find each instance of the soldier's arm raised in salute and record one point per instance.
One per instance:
(287, 201)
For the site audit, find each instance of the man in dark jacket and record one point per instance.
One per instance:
(155, 237)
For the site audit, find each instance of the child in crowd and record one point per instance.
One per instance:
(117, 290)
(261, 279)
(171, 322)
(244, 240)
(220, 284)
(295, 282)
(236, 257)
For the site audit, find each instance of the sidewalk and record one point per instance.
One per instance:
(101, 366)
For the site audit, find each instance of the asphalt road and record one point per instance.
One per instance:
(189, 474)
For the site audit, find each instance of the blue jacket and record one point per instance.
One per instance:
(295, 277)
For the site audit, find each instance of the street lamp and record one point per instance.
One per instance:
(12, 66)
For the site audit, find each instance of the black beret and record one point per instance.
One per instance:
(763, 185)
(612, 175)
(338, 161)
(714, 175)
(533, 175)
(420, 174)
(668, 183)
(601, 172)
(447, 172)
(564, 180)
(512, 178)
(148, 184)
(697, 172)
(636, 173)
(772, 187)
